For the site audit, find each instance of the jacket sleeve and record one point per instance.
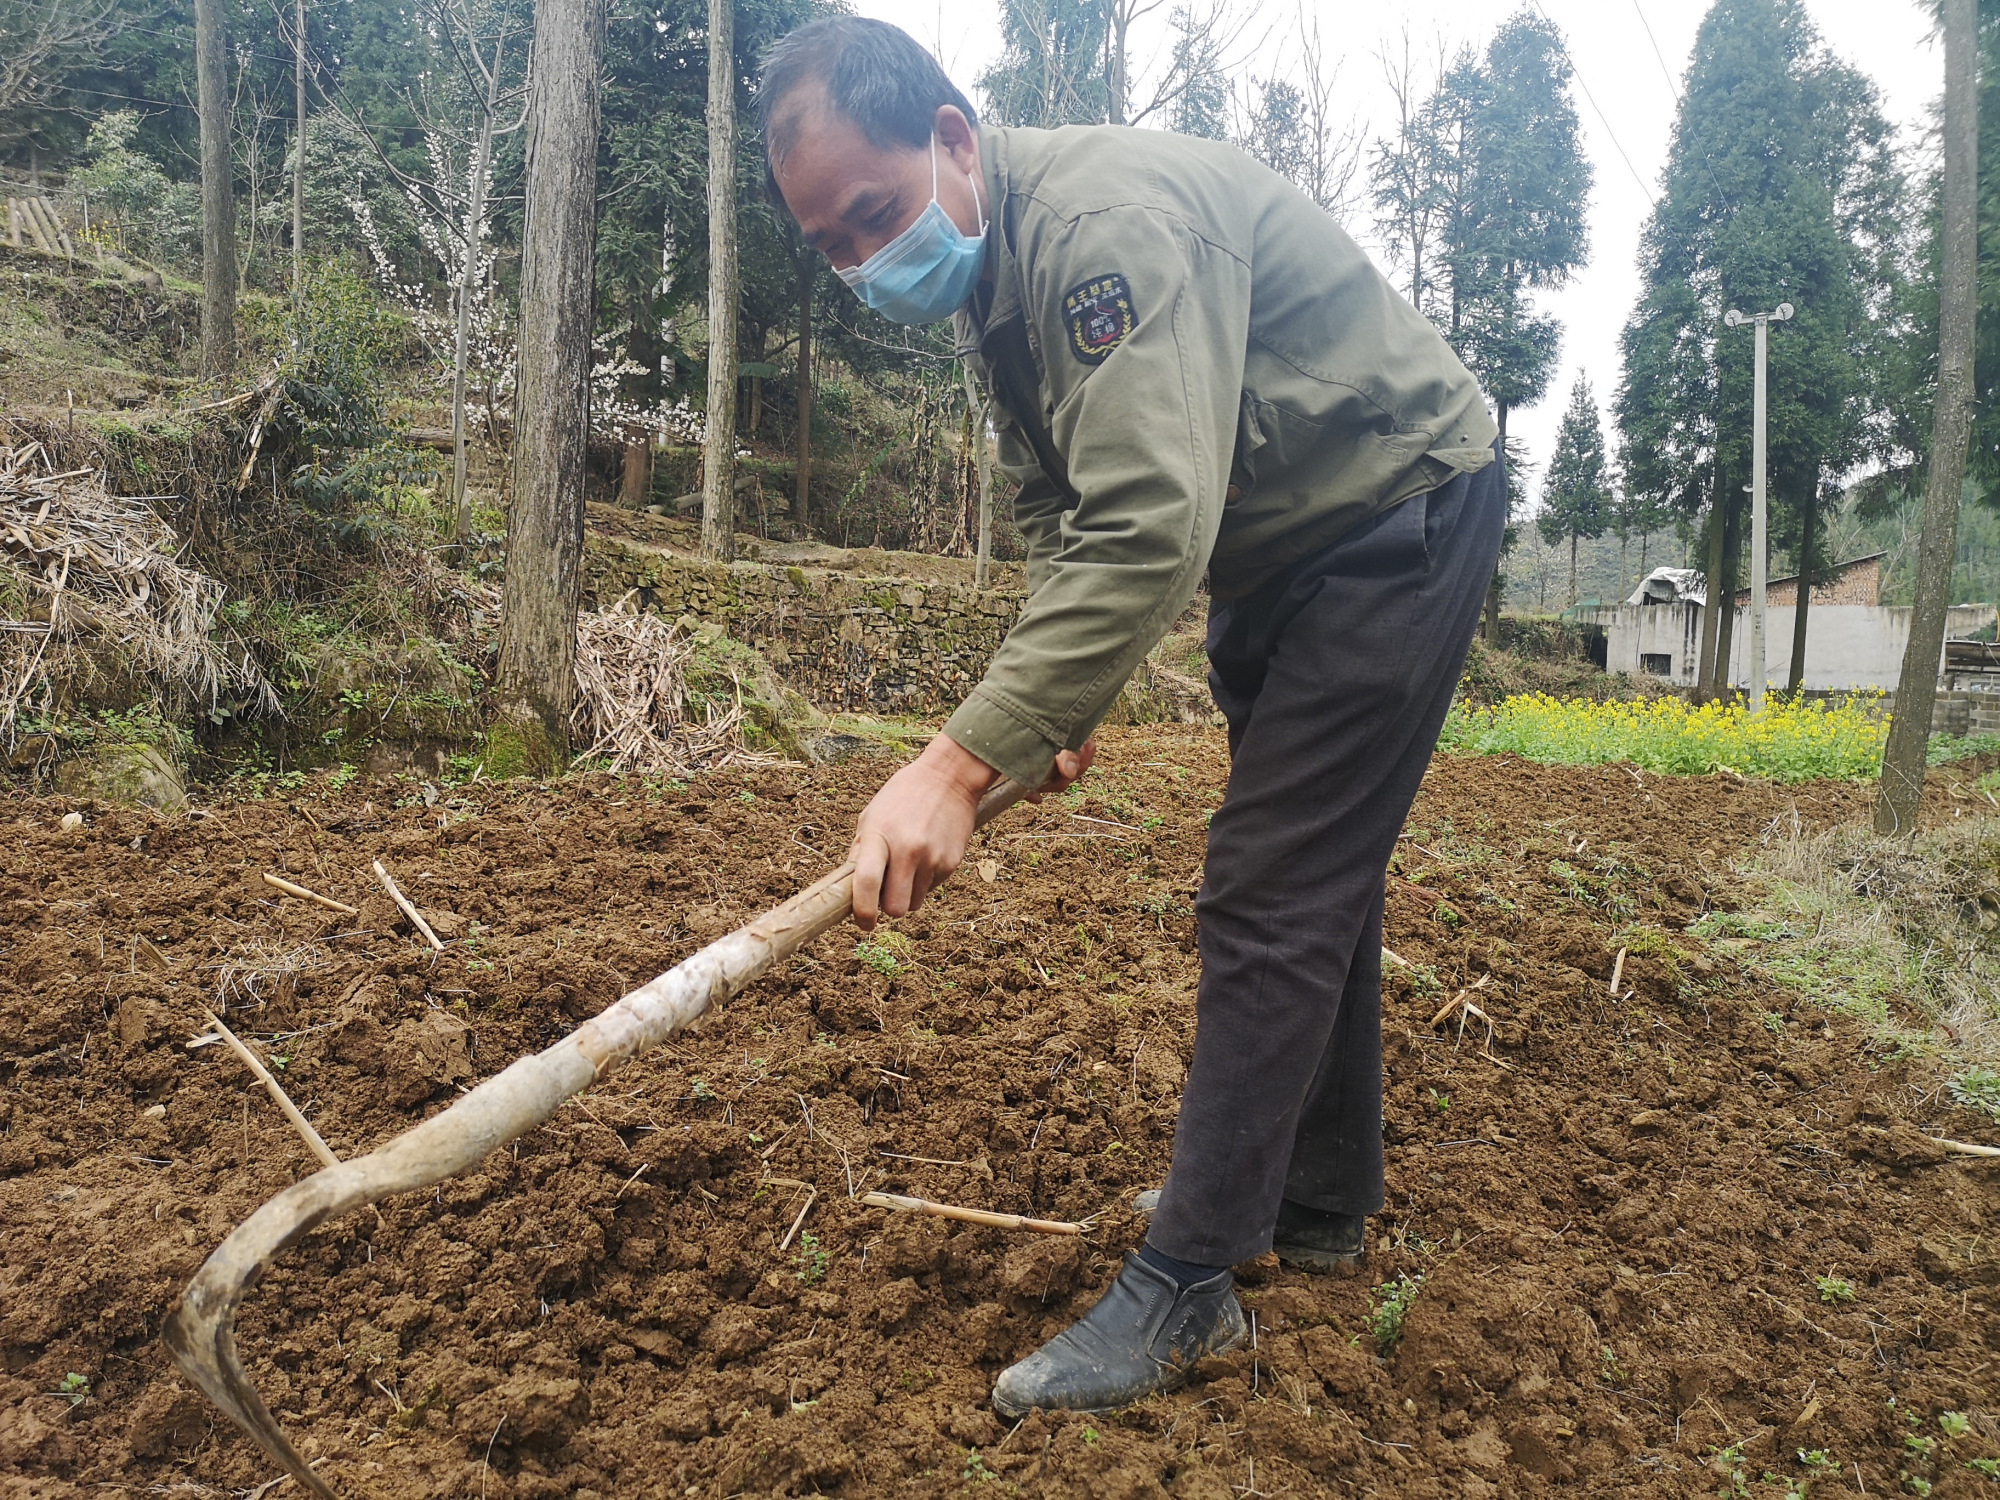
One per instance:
(1144, 409)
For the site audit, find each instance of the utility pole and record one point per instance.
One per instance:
(1760, 542)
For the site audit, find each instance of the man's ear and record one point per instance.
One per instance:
(956, 137)
(773, 194)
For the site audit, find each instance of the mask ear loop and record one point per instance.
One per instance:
(978, 200)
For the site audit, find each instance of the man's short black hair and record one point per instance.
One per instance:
(874, 73)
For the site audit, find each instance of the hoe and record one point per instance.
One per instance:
(200, 1332)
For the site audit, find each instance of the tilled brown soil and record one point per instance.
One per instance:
(1618, 1208)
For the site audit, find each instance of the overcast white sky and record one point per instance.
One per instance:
(1626, 100)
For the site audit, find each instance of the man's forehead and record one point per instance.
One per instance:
(835, 170)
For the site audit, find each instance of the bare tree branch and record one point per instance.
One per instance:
(41, 41)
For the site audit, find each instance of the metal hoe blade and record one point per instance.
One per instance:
(200, 1333)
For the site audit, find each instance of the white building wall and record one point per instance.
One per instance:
(1847, 645)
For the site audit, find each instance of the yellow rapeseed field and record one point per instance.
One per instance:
(1805, 740)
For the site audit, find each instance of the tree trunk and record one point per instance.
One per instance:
(1574, 538)
(718, 449)
(468, 278)
(299, 153)
(1116, 84)
(537, 670)
(1725, 623)
(1802, 608)
(635, 475)
(1711, 609)
(218, 193)
(1916, 690)
(982, 459)
(801, 490)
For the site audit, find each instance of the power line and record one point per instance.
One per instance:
(1681, 99)
(1672, 82)
(70, 88)
(1584, 84)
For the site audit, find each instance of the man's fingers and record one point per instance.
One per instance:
(871, 859)
(896, 883)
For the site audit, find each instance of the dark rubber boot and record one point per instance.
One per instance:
(1144, 1335)
(1313, 1238)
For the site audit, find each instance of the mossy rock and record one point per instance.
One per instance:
(519, 744)
(774, 717)
(129, 775)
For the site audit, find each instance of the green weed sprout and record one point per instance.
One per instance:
(812, 1259)
(975, 1467)
(876, 957)
(1834, 1289)
(76, 1387)
(1387, 1314)
(1730, 1461)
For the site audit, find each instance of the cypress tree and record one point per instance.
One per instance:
(1780, 187)
(1576, 500)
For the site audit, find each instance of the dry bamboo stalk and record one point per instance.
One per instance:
(279, 883)
(300, 1123)
(417, 917)
(1449, 1006)
(812, 1196)
(1460, 1000)
(905, 1205)
(1617, 972)
(1963, 1148)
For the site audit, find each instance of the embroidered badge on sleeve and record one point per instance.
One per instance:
(1100, 316)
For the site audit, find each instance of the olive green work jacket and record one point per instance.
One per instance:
(1194, 368)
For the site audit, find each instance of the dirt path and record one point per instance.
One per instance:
(1618, 1214)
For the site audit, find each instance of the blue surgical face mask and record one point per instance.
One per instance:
(925, 273)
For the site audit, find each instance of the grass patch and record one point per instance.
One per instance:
(1903, 934)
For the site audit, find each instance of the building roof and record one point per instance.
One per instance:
(1849, 566)
(1687, 586)
(1671, 586)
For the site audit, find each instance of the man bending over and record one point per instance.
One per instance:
(1199, 372)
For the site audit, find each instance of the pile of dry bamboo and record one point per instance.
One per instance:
(632, 699)
(90, 589)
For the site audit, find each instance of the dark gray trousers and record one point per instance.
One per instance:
(1334, 678)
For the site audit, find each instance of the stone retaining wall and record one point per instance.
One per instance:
(849, 643)
(1966, 713)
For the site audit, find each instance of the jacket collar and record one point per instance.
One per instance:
(969, 329)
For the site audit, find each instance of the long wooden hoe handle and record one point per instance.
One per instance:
(200, 1332)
